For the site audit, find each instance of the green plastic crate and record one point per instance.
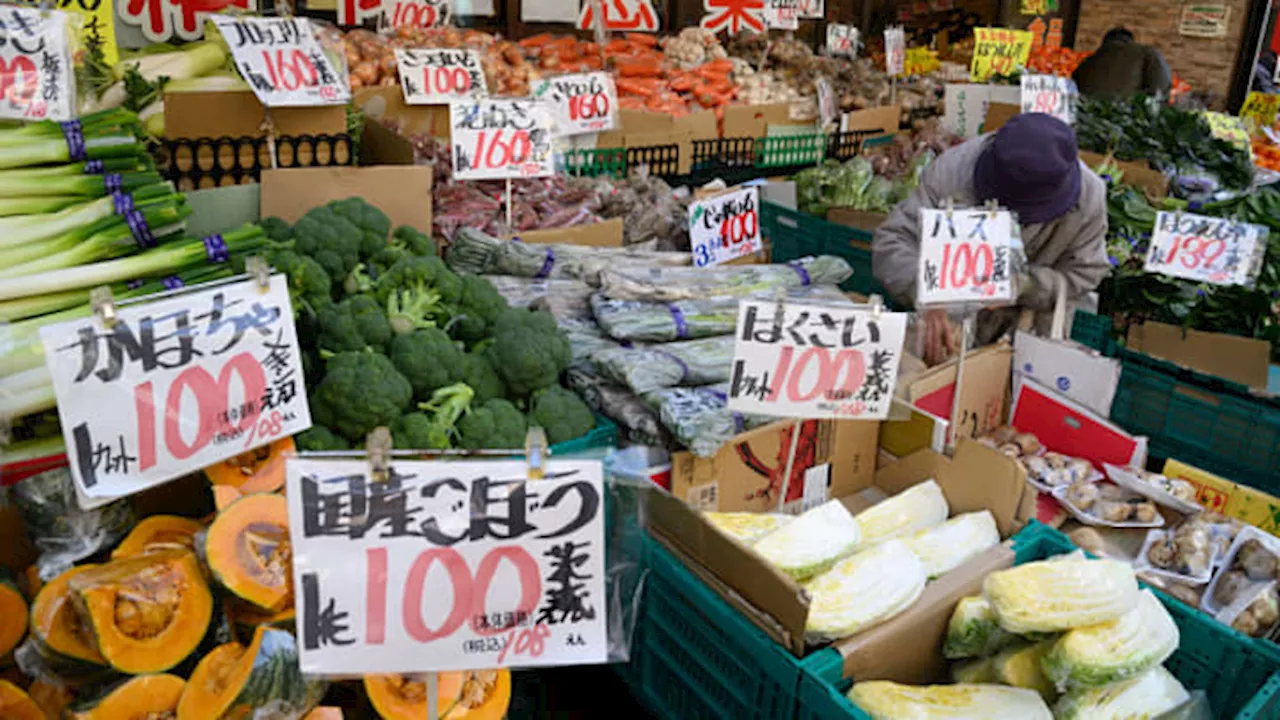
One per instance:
(792, 235)
(594, 163)
(1093, 331)
(603, 435)
(1240, 675)
(784, 151)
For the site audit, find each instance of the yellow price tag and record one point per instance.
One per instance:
(919, 61)
(1260, 110)
(999, 51)
(1229, 128)
(97, 18)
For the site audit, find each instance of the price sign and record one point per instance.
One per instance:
(1051, 95)
(1213, 250)
(999, 51)
(920, 61)
(1260, 109)
(177, 384)
(447, 565)
(812, 9)
(815, 361)
(842, 40)
(584, 103)
(964, 257)
(725, 227)
(496, 139)
(37, 80)
(282, 62)
(895, 49)
(394, 14)
(97, 23)
(828, 111)
(440, 76)
(170, 20)
(782, 14)
(1229, 128)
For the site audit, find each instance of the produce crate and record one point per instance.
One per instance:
(787, 155)
(1240, 675)
(594, 163)
(1094, 331)
(848, 144)
(792, 235)
(603, 435)
(199, 163)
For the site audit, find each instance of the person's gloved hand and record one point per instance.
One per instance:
(941, 340)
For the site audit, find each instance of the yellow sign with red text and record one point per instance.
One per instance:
(999, 51)
(1231, 499)
(920, 61)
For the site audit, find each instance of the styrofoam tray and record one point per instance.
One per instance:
(1060, 493)
(1132, 481)
(1271, 542)
(1142, 564)
(1043, 487)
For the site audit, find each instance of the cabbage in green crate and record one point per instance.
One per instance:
(919, 507)
(747, 527)
(973, 630)
(1155, 692)
(1021, 667)
(977, 670)
(813, 542)
(1120, 649)
(1060, 594)
(884, 700)
(863, 591)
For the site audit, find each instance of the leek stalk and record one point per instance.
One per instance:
(25, 229)
(14, 207)
(37, 308)
(114, 239)
(84, 185)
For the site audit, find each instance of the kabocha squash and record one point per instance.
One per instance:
(472, 695)
(247, 549)
(62, 638)
(260, 470)
(51, 699)
(145, 697)
(245, 618)
(15, 704)
(147, 613)
(158, 532)
(13, 616)
(232, 680)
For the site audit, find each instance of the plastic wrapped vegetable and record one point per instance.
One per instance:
(1119, 649)
(692, 362)
(863, 591)
(1147, 696)
(700, 417)
(949, 545)
(884, 700)
(668, 284)
(1052, 596)
(973, 630)
(1021, 667)
(977, 670)
(618, 404)
(478, 253)
(57, 527)
(747, 527)
(817, 539)
(919, 507)
(684, 319)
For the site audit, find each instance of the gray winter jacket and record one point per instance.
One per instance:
(1070, 249)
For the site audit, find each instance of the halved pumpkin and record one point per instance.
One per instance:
(13, 616)
(471, 695)
(248, 552)
(232, 680)
(139, 698)
(51, 699)
(62, 638)
(223, 496)
(15, 704)
(147, 613)
(256, 471)
(246, 617)
(34, 583)
(326, 712)
(158, 532)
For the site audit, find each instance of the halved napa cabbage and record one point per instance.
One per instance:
(884, 700)
(977, 670)
(917, 508)
(746, 527)
(947, 546)
(1154, 692)
(1052, 596)
(1116, 650)
(863, 590)
(812, 542)
(1020, 667)
(973, 630)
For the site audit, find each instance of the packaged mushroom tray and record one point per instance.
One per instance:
(1170, 492)
(1187, 553)
(1046, 470)
(1107, 505)
(1243, 592)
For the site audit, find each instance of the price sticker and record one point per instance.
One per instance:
(895, 51)
(583, 103)
(447, 565)
(497, 139)
(920, 61)
(782, 14)
(965, 257)
(999, 51)
(393, 14)
(37, 79)
(815, 361)
(1220, 251)
(282, 61)
(725, 227)
(176, 385)
(842, 40)
(440, 76)
(1051, 95)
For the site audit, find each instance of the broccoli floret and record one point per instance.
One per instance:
(483, 379)
(359, 392)
(434, 427)
(529, 350)
(411, 273)
(429, 358)
(385, 258)
(358, 281)
(276, 229)
(333, 240)
(562, 414)
(414, 241)
(372, 222)
(414, 431)
(415, 308)
(495, 425)
(309, 284)
(319, 438)
(356, 323)
(480, 305)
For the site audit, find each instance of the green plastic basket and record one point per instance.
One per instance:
(594, 163)
(1093, 331)
(792, 235)
(603, 435)
(784, 151)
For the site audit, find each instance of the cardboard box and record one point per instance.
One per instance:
(883, 120)
(984, 390)
(753, 121)
(922, 430)
(647, 128)
(402, 192)
(1232, 499)
(1068, 427)
(1243, 360)
(860, 219)
(602, 234)
(386, 102)
(1152, 182)
(998, 114)
(239, 113)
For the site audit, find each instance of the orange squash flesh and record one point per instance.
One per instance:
(461, 696)
(57, 625)
(248, 552)
(223, 496)
(143, 697)
(51, 699)
(15, 704)
(216, 682)
(260, 470)
(163, 531)
(13, 616)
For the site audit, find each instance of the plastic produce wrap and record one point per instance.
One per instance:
(1052, 596)
(476, 252)
(863, 591)
(700, 418)
(883, 699)
(1154, 692)
(668, 284)
(586, 339)
(748, 527)
(817, 540)
(692, 362)
(919, 507)
(651, 210)
(57, 527)
(1126, 647)
(951, 544)
(524, 292)
(618, 404)
(684, 319)
(973, 630)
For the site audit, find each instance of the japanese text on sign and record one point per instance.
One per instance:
(633, 15)
(733, 16)
(282, 62)
(165, 20)
(189, 381)
(584, 103)
(1205, 249)
(812, 9)
(37, 79)
(1051, 95)
(725, 227)
(964, 257)
(815, 361)
(920, 61)
(895, 51)
(782, 14)
(97, 23)
(440, 76)
(496, 139)
(842, 39)
(1260, 110)
(447, 565)
(394, 14)
(999, 51)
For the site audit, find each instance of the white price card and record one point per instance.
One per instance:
(393, 14)
(828, 112)
(1051, 95)
(812, 9)
(895, 51)
(842, 39)
(725, 227)
(439, 76)
(177, 384)
(447, 565)
(965, 257)
(497, 139)
(282, 61)
(815, 361)
(782, 14)
(584, 103)
(1213, 250)
(37, 78)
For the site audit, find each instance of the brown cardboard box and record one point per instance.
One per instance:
(1152, 182)
(239, 113)
(602, 234)
(753, 121)
(646, 128)
(984, 390)
(860, 219)
(1244, 360)
(998, 114)
(386, 102)
(884, 120)
(402, 192)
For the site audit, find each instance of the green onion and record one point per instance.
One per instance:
(10, 207)
(114, 239)
(24, 229)
(37, 308)
(86, 185)
(48, 150)
(107, 222)
(27, 392)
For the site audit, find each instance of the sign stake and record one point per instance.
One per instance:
(965, 329)
(433, 696)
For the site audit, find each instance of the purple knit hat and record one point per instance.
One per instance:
(1031, 167)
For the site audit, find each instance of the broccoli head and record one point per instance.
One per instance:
(276, 229)
(359, 392)
(429, 358)
(434, 427)
(478, 307)
(483, 379)
(415, 242)
(562, 414)
(372, 222)
(389, 255)
(356, 323)
(493, 425)
(333, 240)
(414, 431)
(319, 439)
(529, 350)
(416, 308)
(309, 284)
(415, 273)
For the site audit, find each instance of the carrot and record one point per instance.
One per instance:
(642, 39)
(710, 74)
(720, 66)
(638, 86)
(639, 69)
(617, 45)
(631, 102)
(590, 48)
(535, 41)
(684, 83)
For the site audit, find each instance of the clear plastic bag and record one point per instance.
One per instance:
(692, 362)
(474, 251)
(619, 404)
(700, 418)
(57, 527)
(669, 284)
(684, 319)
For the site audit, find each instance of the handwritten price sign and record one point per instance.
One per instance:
(964, 257)
(37, 80)
(895, 51)
(815, 361)
(782, 14)
(176, 385)
(1220, 251)
(1260, 110)
(447, 565)
(394, 14)
(282, 62)
(725, 227)
(842, 39)
(1051, 95)
(496, 139)
(440, 76)
(920, 61)
(998, 51)
(579, 104)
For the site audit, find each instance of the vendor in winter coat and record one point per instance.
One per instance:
(1122, 67)
(1031, 168)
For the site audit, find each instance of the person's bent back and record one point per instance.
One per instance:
(1122, 67)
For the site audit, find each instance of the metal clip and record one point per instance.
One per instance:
(268, 129)
(877, 306)
(256, 267)
(378, 446)
(104, 305)
(993, 207)
(950, 207)
(535, 452)
(779, 308)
